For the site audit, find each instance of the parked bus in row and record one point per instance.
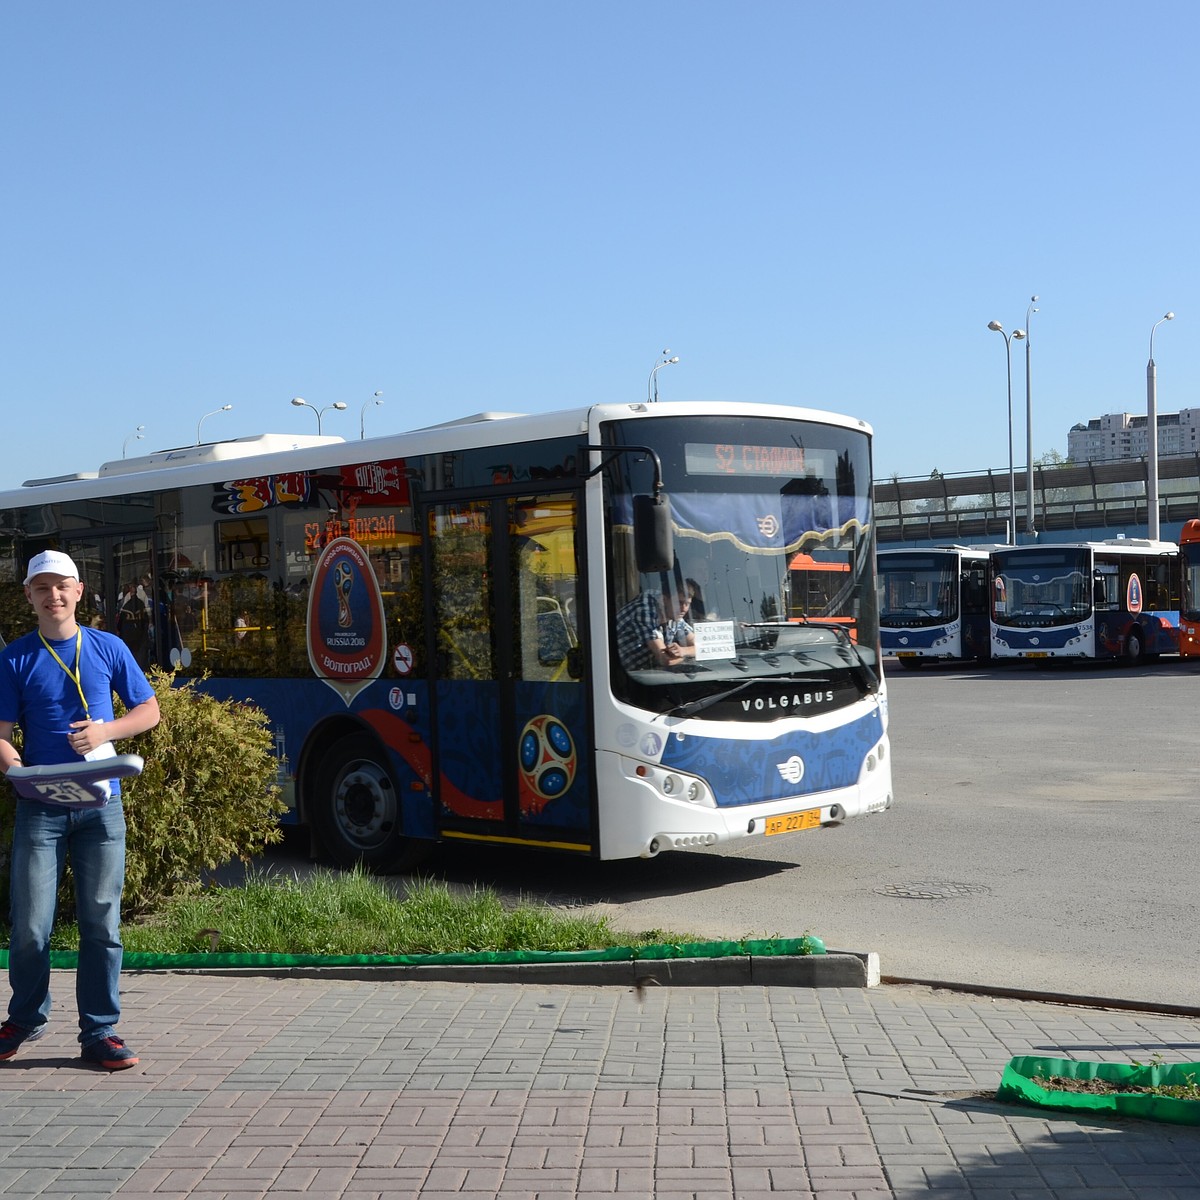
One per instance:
(821, 588)
(1115, 599)
(1189, 599)
(480, 631)
(933, 604)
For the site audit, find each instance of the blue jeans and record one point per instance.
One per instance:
(44, 836)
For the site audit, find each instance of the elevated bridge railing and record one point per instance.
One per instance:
(1070, 503)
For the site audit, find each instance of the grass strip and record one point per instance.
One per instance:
(333, 918)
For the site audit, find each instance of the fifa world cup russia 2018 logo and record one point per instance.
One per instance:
(346, 626)
(547, 758)
(343, 582)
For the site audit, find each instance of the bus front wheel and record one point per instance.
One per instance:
(1135, 648)
(356, 809)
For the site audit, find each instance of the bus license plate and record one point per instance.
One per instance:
(1036, 654)
(791, 822)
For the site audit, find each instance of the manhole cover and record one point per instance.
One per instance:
(931, 889)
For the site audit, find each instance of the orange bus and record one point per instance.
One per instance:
(1189, 599)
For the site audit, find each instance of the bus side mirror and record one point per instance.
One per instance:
(653, 537)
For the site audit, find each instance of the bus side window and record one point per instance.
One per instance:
(1158, 587)
(544, 561)
(243, 545)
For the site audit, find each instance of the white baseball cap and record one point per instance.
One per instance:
(52, 562)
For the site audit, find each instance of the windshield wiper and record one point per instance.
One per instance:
(866, 679)
(862, 674)
(694, 706)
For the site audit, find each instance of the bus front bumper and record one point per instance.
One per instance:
(644, 823)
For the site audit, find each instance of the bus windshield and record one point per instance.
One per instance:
(918, 589)
(1190, 604)
(1044, 588)
(772, 583)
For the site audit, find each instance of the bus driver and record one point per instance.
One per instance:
(652, 630)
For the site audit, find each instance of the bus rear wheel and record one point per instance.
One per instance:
(1135, 650)
(356, 809)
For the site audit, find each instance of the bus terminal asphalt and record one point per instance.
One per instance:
(349, 1084)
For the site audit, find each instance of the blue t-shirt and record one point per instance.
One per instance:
(37, 694)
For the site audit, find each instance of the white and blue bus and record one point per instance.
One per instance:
(933, 604)
(430, 619)
(1115, 599)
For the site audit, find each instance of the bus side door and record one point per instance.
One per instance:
(511, 726)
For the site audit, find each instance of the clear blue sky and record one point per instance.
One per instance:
(517, 206)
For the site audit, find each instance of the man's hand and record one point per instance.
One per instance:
(85, 736)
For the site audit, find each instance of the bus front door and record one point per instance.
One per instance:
(510, 714)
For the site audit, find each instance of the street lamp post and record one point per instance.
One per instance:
(135, 436)
(1152, 435)
(223, 408)
(299, 403)
(1029, 526)
(652, 383)
(362, 415)
(1012, 479)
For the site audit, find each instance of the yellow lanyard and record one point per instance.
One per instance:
(74, 675)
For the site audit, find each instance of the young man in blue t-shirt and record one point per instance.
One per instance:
(57, 683)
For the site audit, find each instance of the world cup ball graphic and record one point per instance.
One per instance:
(547, 761)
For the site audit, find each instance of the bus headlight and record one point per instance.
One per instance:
(875, 756)
(674, 784)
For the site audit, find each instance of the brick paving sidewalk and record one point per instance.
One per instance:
(256, 1087)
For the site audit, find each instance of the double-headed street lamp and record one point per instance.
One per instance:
(652, 383)
(362, 415)
(300, 403)
(1152, 435)
(1029, 527)
(1019, 334)
(135, 436)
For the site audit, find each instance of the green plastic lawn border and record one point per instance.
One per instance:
(1017, 1084)
(767, 947)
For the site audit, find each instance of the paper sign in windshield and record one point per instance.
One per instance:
(714, 639)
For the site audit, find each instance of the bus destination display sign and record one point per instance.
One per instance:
(737, 458)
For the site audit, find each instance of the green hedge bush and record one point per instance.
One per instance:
(208, 795)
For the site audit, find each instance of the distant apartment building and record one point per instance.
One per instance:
(1120, 436)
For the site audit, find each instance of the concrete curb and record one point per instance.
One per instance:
(1042, 997)
(836, 969)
